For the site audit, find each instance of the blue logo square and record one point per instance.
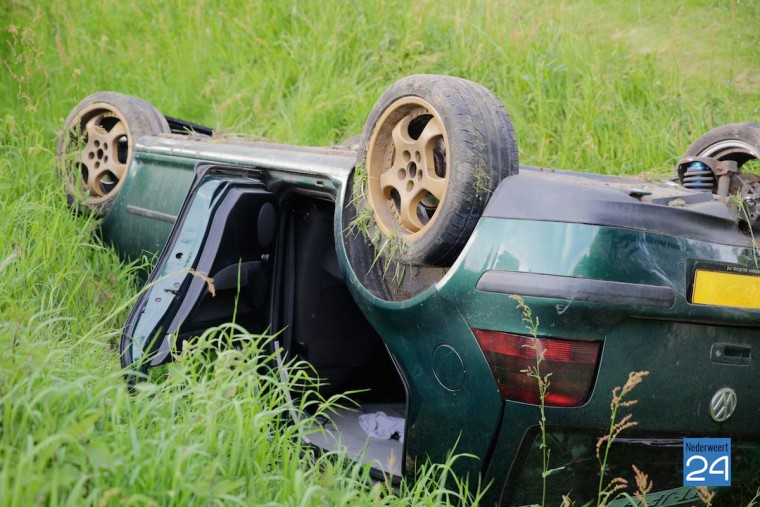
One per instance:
(706, 461)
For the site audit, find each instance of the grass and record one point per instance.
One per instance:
(617, 426)
(542, 383)
(618, 88)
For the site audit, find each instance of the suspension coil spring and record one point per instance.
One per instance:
(699, 177)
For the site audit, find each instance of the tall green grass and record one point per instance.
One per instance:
(605, 87)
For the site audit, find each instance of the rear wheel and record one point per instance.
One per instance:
(433, 150)
(97, 142)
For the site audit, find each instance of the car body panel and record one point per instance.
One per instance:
(464, 413)
(163, 168)
(655, 338)
(145, 210)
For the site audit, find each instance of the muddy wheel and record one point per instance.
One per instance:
(96, 145)
(432, 152)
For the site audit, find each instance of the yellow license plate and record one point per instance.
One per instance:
(721, 288)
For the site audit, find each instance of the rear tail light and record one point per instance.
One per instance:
(572, 365)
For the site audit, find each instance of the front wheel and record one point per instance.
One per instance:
(96, 145)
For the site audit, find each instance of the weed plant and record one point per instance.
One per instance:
(543, 383)
(620, 399)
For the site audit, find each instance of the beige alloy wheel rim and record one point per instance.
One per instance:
(407, 167)
(98, 149)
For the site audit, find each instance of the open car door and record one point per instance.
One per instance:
(216, 267)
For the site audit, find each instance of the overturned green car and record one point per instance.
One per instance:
(390, 263)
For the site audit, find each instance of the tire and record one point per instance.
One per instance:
(735, 141)
(433, 150)
(96, 144)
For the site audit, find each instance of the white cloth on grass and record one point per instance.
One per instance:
(382, 426)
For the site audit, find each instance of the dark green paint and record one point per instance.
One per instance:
(157, 184)
(179, 264)
(448, 367)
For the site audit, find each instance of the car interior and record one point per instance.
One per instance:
(285, 279)
(323, 325)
